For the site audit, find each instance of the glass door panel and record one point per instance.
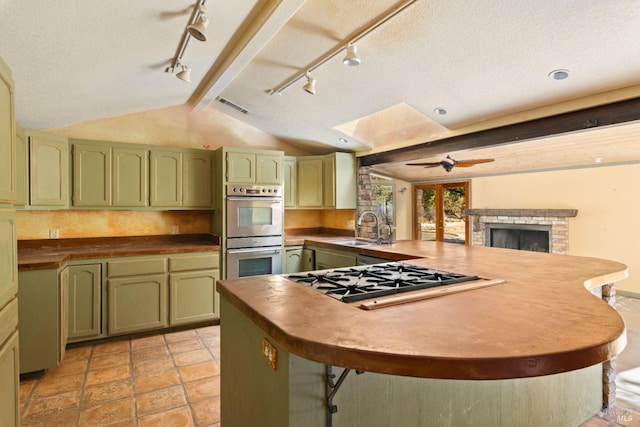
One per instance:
(454, 202)
(426, 213)
(439, 212)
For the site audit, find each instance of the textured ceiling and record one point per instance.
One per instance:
(486, 63)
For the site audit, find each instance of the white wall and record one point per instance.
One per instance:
(607, 199)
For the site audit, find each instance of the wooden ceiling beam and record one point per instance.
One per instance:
(589, 118)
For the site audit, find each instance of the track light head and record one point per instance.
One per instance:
(351, 59)
(310, 86)
(198, 30)
(185, 74)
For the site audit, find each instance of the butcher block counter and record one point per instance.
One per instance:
(542, 321)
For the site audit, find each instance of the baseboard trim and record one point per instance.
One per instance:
(628, 294)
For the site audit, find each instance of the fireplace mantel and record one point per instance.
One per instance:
(560, 213)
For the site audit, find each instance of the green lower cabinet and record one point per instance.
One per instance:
(193, 297)
(137, 303)
(326, 259)
(9, 392)
(84, 302)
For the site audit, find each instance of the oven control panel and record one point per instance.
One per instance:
(254, 190)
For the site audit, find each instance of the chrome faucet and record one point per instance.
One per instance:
(373, 214)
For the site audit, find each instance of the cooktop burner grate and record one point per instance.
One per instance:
(359, 283)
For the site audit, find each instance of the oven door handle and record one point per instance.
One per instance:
(255, 250)
(254, 199)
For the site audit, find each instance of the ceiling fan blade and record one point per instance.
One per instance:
(472, 162)
(426, 165)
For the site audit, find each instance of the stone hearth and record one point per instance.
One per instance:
(557, 219)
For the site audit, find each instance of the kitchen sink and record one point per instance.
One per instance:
(352, 243)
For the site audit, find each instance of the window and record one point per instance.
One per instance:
(439, 212)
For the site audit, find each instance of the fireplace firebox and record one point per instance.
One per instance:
(524, 237)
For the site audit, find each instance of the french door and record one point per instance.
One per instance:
(438, 212)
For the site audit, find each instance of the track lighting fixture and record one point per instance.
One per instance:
(185, 74)
(198, 30)
(351, 59)
(310, 86)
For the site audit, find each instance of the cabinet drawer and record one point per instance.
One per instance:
(134, 267)
(207, 261)
(8, 320)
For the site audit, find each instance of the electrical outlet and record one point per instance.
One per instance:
(270, 353)
(175, 229)
(53, 233)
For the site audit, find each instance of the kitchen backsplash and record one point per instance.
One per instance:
(330, 218)
(74, 224)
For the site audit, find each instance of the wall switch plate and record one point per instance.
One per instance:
(53, 233)
(175, 229)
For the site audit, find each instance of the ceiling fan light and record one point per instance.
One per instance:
(185, 74)
(310, 86)
(351, 59)
(199, 29)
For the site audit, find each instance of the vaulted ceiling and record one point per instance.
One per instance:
(486, 63)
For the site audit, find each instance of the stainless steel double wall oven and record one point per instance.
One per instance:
(254, 230)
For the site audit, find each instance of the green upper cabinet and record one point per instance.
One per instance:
(7, 141)
(310, 183)
(196, 179)
(327, 182)
(22, 181)
(110, 176)
(290, 178)
(254, 167)
(91, 175)
(166, 179)
(48, 170)
(181, 179)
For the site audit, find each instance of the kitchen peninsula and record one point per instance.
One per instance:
(525, 352)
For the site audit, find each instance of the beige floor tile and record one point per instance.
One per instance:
(207, 411)
(215, 351)
(147, 342)
(205, 388)
(115, 412)
(57, 419)
(26, 388)
(184, 346)
(149, 366)
(209, 331)
(198, 371)
(175, 417)
(181, 336)
(211, 341)
(77, 353)
(109, 360)
(156, 381)
(61, 402)
(50, 386)
(192, 357)
(150, 352)
(160, 400)
(70, 367)
(111, 347)
(114, 373)
(102, 393)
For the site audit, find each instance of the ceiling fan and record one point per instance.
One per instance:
(448, 163)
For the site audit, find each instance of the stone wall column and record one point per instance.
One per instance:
(609, 367)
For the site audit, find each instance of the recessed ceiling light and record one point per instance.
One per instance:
(440, 111)
(345, 140)
(559, 74)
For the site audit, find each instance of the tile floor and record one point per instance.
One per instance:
(174, 380)
(162, 380)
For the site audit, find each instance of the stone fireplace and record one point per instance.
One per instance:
(542, 230)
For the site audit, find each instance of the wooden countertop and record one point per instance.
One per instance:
(542, 321)
(54, 253)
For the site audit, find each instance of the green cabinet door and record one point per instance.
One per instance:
(326, 259)
(84, 302)
(292, 260)
(269, 169)
(290, 178)
(8, 257)
(329, 182)
(48, 170)
(196, 169)
(241, 168)
(166, 179)
(137, 303)
(310, 183)
(92, 175)
(193, 297)
(7, 135)
(9, 392)
(130, 177)
(22, 183)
